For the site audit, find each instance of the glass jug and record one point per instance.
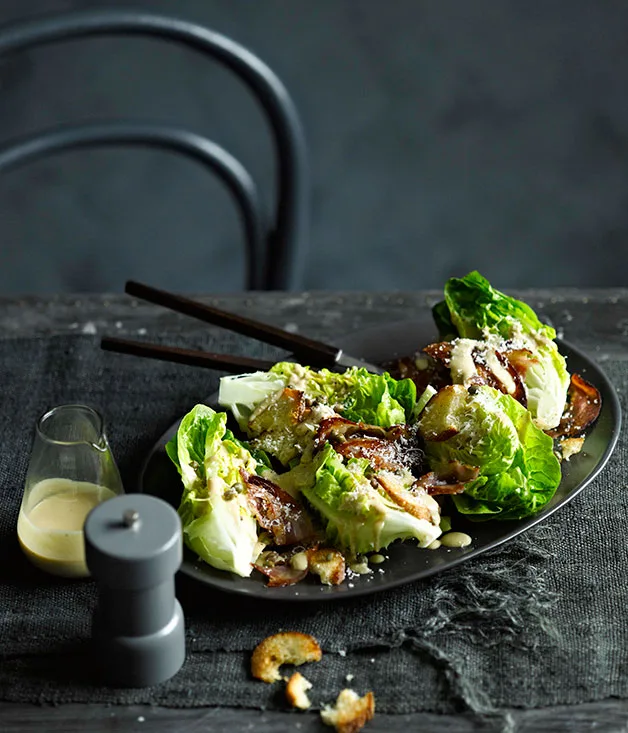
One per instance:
(71, 470)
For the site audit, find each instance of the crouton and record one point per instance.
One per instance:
(287, 647)
(296, 691)
(350, 713)
(328, 564)
(570, 447)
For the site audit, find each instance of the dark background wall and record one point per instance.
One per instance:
(444, 136)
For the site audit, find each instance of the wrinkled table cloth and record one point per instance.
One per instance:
(537, 622)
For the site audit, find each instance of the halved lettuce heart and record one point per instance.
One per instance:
(474, 309)
(356, 394)
(217, 522)
(242, 393)
(482, 427)
(359, 517)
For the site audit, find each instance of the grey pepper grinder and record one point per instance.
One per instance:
(133, 550)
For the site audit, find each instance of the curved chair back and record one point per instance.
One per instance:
(275, 253)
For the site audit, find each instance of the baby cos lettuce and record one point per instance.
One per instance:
(217, 522)
(483, 427)
(473, 309)
(356, 393)
(357, 516)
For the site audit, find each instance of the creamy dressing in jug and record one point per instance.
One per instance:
(50, 529)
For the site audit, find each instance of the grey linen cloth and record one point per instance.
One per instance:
(537, 622)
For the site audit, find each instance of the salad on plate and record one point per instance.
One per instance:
(314, 472)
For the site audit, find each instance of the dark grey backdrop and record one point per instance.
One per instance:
(444, 136)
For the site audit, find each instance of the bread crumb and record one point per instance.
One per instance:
(350, 713)
(296, 691)
(287, 647)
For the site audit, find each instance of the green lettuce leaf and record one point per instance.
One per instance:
(425, 397)
(265, 407)
(519, 472)
(356, 394)
(358, 517)
(475, 308)
(217, 522)
(478, 311)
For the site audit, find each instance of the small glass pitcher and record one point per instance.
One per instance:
(71, 470)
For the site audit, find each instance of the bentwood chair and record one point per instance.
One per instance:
(274, 253)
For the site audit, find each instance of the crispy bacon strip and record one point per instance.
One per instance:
(280, 576)
(385, 448)
(288, 406)
(442, 352)
(521, 360)
(434, 485)
(381, 453)
(457, 471)
(584, 403)
(519, 394)
(406, 368)
(277, 512)
(453, 482)
(397, 432)
(326, 562)
(336, 429)
(411, 501)
(338, 426)
(443, 435)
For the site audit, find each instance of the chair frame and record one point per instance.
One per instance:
(275, 257)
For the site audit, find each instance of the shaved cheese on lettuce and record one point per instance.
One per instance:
(473, 309)
(483, 427)
(359, 517)
(356, 394)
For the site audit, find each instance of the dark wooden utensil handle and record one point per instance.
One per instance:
(304, 349)
(221, 362)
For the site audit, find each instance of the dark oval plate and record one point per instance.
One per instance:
(405, 562)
